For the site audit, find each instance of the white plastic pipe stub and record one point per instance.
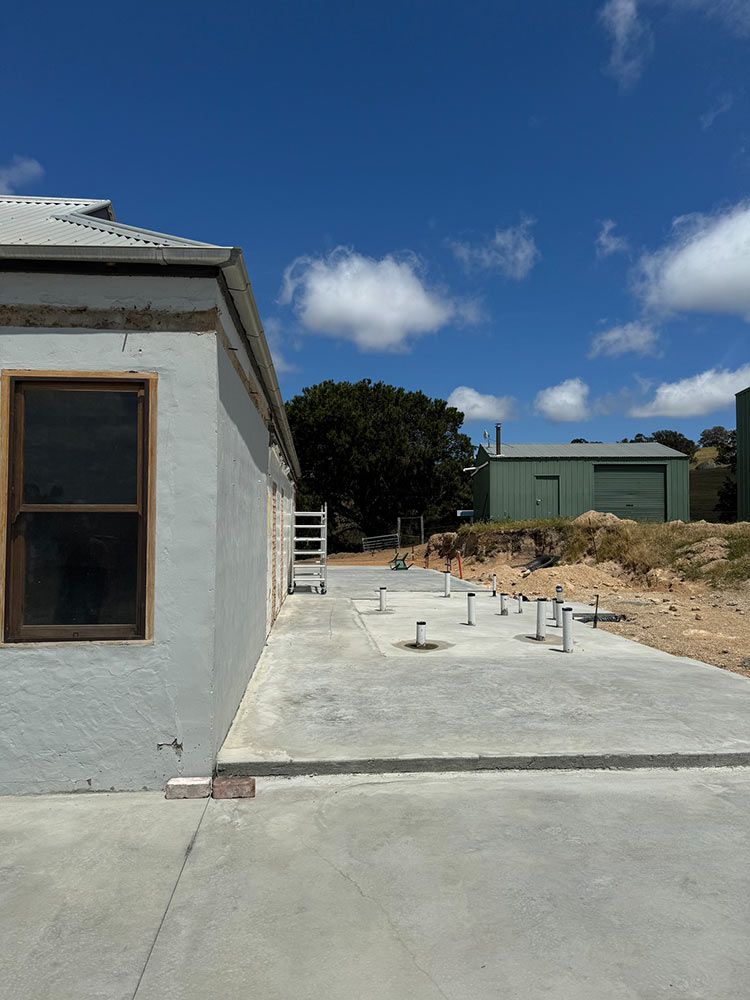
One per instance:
(519, 609)
(494, 585)
(541, 618)
(421, 634)
(471, 602)
(503, 604)
(383, 598)
(447, 590)
(567, 627)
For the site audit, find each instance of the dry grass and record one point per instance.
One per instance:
(639, 548)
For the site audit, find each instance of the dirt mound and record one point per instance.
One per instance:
(444, 545)
(577, 581)
(597, 519)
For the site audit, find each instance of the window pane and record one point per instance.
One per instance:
(80, 447)
(81, 569)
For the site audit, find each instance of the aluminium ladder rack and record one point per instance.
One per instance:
(310, 548)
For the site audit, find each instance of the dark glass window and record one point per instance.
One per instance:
(76, 566)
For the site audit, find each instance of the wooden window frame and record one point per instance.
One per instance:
(11, 559)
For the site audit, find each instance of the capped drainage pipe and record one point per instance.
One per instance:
(557, 606)
(503, 604)
(471, 602)
(421, 635)
(494, 585)
(383, 592)
(447, 592)
(541, 618)
(567, 627)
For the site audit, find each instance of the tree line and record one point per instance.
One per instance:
(374, 452)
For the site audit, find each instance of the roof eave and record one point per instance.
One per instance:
(195, 255)
(238, 284)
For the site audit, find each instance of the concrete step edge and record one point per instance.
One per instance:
(477, 762)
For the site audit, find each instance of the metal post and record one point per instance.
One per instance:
(471, 602)
(421, 634)
(520, 604)
(557, 608)
(421, 527)
(494, 585)
(503, 604)
(447, 584)
(567, 618)
(541, 618)
(383, 591)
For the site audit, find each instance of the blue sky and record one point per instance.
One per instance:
(536, 208)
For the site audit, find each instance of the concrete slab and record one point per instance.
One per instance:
(547, 886)
(84, 883)
(358, 581)
(335, 693)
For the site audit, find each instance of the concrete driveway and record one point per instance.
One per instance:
(562, 886)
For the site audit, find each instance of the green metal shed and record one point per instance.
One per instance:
(743, 455)
(645, 482)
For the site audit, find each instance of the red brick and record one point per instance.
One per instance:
(229, 787)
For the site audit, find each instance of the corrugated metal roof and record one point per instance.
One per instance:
(648, 450)
(69, 222)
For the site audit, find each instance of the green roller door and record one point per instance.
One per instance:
(634, 491)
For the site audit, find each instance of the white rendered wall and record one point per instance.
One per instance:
(241, 568)
(81, 715)
(91, 715)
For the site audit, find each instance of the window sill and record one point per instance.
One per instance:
(59, 643)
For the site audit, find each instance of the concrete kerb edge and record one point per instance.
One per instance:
(476, 762)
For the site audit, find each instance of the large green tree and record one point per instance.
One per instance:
(715, 437)
(374, 451)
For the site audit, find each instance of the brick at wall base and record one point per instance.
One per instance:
(187, 788)
(228, 787)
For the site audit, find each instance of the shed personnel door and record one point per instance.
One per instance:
(634, 491)
(547, 496)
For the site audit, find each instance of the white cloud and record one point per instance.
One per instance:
(607, 242)
(694, 397)
(630, 338)
(480, 406)
(379, 305)
(20, 171)
(631, 38)
(512, 252)
(704, 268)
(734, 14)
(720, 107)
(563, 402)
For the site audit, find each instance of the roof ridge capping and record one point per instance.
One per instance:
(615, 449)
